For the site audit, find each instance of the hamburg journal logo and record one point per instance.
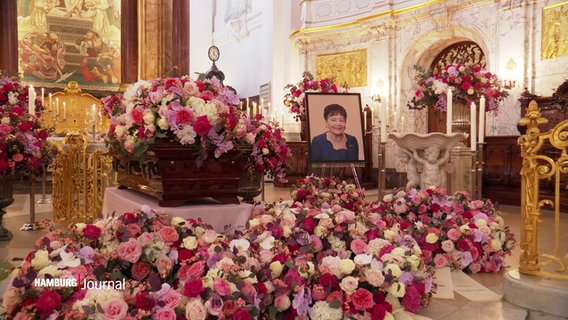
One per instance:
(85, 284)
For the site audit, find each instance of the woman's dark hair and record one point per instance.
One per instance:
(333, 109)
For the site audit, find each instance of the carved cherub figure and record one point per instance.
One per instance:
(433, 166)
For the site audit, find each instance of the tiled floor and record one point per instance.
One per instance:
(457, 309)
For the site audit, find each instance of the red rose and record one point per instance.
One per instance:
(145, 301)
(362, 299)
(48, 301)
(328, 282)
(25, 126)
(193, 288)
(309, 225)
(202, 125)
(140, 270)
(137, 117)
(129, 217)
(206, 95)
(92, 232)
(184, 254)
(184, 116)
(411, 300)
(302, 194)
(242, 314)
(280, 257)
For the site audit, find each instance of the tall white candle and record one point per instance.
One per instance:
(64, 110)
(56, 106)
(50, 103)
(31, 100)
(449, 111)
(43, 97)
(481, 119)
(473, 133)
(94, 113)
(383, 123)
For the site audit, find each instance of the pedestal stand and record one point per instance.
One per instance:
(478, 167)
(32, 225)
(44, 199)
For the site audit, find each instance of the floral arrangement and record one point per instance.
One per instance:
(468, 83)
(295, 97)
(315, 191)
(452, 230)
(291, 262)
(198, 112)
(24, 149)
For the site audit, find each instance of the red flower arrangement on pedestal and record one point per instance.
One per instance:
(468, 83)
(24, 149)
(295, 97)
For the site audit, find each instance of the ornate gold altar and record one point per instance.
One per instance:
(537, 168)
(81, 172)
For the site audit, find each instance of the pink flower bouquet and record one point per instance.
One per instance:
(202, 113)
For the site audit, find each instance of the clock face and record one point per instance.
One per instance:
(213, 53)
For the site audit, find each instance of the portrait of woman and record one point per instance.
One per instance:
(335, 127)
(334, 144)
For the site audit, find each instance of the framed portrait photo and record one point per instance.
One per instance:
(335, 128)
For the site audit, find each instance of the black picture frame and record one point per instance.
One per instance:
(316, 102)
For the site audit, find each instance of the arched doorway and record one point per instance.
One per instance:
(464, 52)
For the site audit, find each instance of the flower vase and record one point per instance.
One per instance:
(6, 199)
(250, 185)
(461, 118)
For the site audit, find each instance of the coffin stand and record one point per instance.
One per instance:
(171, 173)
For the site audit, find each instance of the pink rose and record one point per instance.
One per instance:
(195, 310)
(137, 116)
(171, 299)
(48, 301)
(222, 287)
(202, 125)
(358, 246)
(168, 234)
(164, 265)
(453, 234)
(318, 293)
(130, 250)
(114, 309)
(18, 157)
(440, 260)
(91, 231)
(196, 270)
(165, 313)
(133, 229)
(448, 245)
(362, 299)
(282, 302)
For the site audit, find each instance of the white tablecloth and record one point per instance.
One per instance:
(219, 216)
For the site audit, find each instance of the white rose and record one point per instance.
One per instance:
(397, 289)
(52, 270)
(5, 120)
(149, 117)
(267, 243)
(431, 238)
(388, 198)
(319, 230)
(286, 231)
(394, 270)
(178, 221)
(190, 243)
(398, 251)
(241, 245)
(276, 269)
(40, 260)
(496, 245)
(346, 266)
(389, 234)
(307, 270)
(163, 124)
(362, 259)
(254, 222)
(465, 228)
(119, 131)
(80, 226)
(349, 284)
(480, 222)
(195, 310)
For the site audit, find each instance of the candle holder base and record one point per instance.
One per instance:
(44, 201)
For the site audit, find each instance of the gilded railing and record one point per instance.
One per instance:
(537, 166)
(81, 172)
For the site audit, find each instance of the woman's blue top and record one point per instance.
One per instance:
(321, 149)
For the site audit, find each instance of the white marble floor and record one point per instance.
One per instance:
(458, 308)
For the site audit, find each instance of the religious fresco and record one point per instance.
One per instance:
(70, 40)
(347, 69)
(555, 31)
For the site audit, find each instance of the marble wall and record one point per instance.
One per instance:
(399, 36)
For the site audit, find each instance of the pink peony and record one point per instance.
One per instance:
(114, 309)
(168, 234)
(362, 299)
(130, 250)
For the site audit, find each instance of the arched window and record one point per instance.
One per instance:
(461, 52)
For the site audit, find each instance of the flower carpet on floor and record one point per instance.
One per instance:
(324, 254)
